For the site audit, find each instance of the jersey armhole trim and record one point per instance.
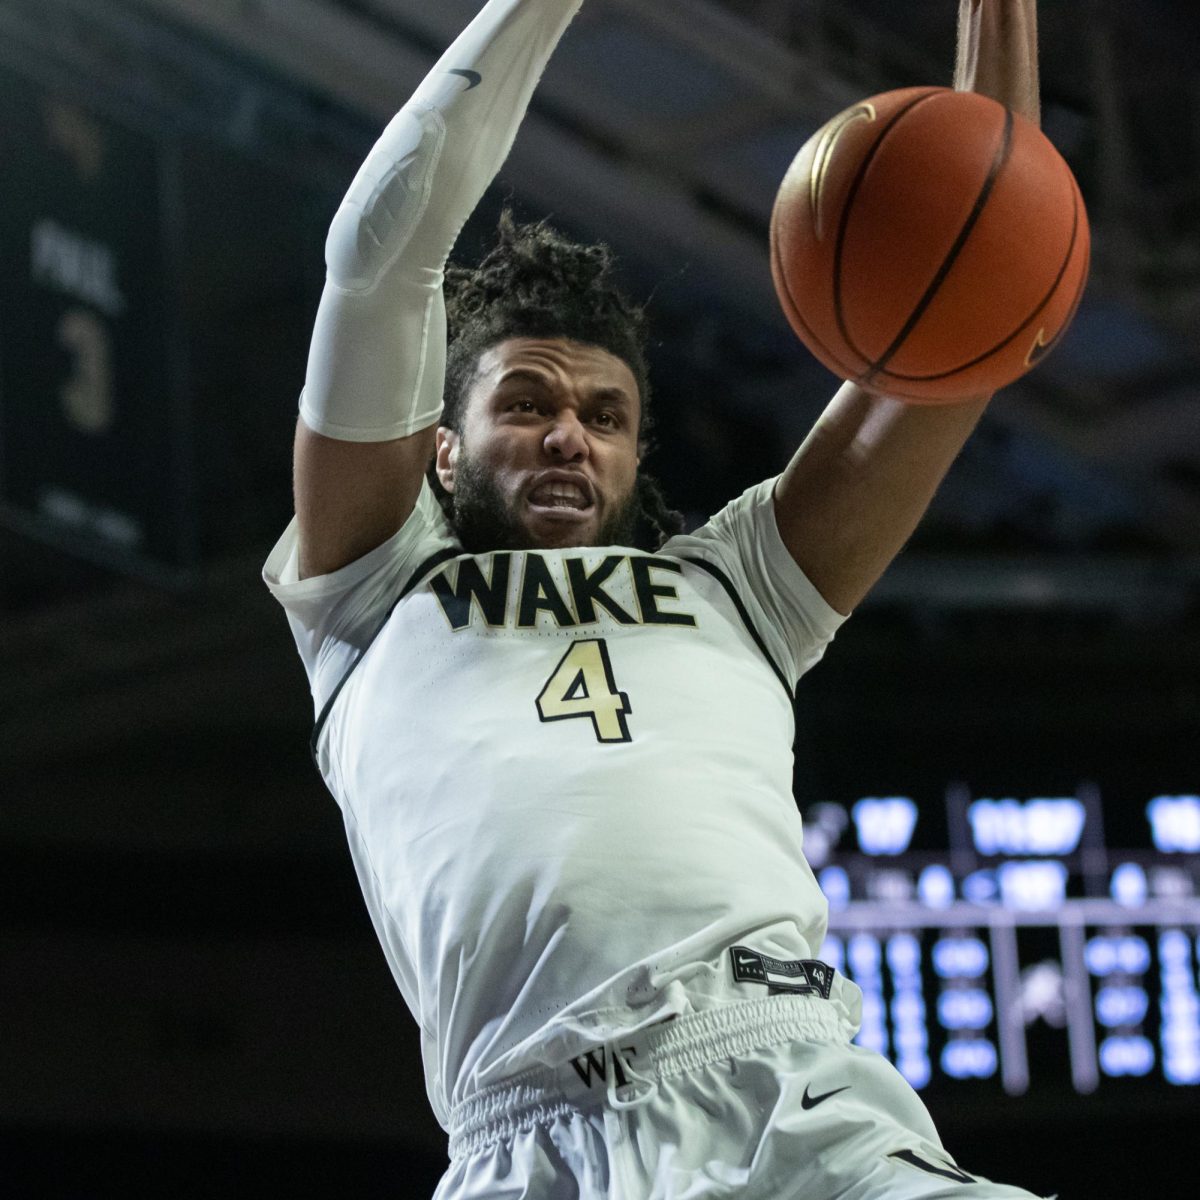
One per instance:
(742, 612)
(426, 568)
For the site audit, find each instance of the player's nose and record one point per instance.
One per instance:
(567, 438)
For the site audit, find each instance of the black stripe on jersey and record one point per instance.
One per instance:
(429, 565)
(727, 584)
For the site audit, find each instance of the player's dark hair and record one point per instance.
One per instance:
(537, 283)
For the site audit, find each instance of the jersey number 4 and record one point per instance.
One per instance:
(582, 685)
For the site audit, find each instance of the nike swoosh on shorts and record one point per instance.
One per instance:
(807, 1101)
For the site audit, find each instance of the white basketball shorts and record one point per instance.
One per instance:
(764, 1098)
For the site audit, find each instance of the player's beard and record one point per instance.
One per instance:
(485, 519)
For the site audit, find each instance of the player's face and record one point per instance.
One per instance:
(548, 452)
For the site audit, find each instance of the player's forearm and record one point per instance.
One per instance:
(998, 53)
(860, 484)
(377, 361)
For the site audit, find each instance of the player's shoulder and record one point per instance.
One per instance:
(740, 519)
(424, 536)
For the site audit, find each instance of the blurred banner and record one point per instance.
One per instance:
(86, 321)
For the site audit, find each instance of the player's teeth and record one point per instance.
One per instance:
(560, 495)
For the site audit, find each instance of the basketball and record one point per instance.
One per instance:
(929, 244)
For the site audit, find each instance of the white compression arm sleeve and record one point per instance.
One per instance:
(377, 363)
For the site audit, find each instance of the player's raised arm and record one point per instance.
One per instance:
(997, 53)
(862, 480)
(376, 368)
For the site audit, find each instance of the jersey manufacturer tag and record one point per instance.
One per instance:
(806, 977)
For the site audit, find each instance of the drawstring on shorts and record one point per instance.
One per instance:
(616, 1063)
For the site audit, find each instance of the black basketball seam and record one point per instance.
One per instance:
(1032, 316)
(847, 207)
(795, 314)
(989, 184)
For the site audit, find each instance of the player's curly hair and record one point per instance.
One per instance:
(537, 283)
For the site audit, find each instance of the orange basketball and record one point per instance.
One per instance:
(929, 244)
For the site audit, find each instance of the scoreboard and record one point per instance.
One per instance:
(1027, 953)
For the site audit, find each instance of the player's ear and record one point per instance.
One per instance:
(445, 460)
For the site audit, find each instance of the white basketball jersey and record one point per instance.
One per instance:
(566, 777)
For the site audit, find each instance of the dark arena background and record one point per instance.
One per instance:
(998, 761)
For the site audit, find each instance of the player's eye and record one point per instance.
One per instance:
(607, 419)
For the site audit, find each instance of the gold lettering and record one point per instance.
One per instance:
(649, 593)
(539, 593)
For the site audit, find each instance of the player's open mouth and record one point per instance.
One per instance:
(561, 499)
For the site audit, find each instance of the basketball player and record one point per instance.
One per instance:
(563, 758)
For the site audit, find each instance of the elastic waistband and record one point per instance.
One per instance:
(626, 1071)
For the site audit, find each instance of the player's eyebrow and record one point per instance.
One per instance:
(522, 373)
(606, 395)
(611, 395)
(525, 374)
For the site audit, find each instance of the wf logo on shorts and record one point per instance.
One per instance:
(805, 977)
(592, 1067)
